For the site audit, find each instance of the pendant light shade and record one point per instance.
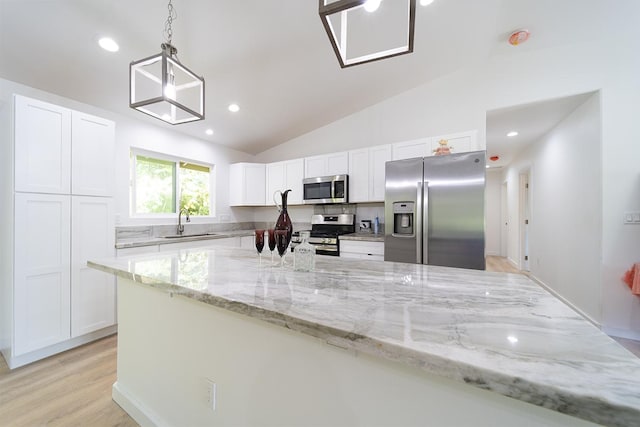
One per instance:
(362, 31)
(162, 87)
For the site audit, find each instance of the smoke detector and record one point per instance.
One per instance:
(519, 37)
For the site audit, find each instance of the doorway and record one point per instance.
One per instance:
(504, 220)
(525, 219)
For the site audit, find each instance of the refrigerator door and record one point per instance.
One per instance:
(454, 210)
(403, 211)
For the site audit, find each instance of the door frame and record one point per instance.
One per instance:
(524, 220)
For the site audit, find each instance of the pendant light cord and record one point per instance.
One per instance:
(168, 30)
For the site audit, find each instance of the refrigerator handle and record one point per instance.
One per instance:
(425, 223)
(418, 224)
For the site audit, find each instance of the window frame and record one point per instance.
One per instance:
(133, 190)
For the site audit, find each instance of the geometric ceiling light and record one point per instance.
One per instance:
(164, 88)
(362, 31)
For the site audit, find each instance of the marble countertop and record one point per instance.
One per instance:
(364, 237)
(496, 331)
(157, 240)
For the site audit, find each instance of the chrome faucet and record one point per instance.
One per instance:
(180, 229)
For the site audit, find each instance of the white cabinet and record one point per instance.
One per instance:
(283, 176)
(41, 298)
(246, 184)
(137, 250)
(410, 149)
(93, 304)
(42, 147)
(357, 249)
(327, 164)
(92, 155)
(457, 142)
(367, 173)
(53, 301)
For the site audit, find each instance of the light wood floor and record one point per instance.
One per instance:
(500, 264)
(69, 389)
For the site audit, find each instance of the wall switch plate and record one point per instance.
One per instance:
(631, 218)
(210, 393)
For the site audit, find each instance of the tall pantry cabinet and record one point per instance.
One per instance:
(63, 215)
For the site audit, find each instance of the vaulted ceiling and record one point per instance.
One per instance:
(271, 57)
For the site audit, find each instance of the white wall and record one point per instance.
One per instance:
(459, 101)
(566, 208)
(492, 209)
(137, 133)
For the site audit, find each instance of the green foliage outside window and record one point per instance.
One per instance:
(157, 182)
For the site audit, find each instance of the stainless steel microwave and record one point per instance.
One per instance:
(326, 189)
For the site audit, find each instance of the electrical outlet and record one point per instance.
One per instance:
(631, 218)
(210, 394)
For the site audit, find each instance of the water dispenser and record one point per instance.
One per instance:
(403, 218)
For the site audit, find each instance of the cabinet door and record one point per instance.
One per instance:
(246, 184)
(92, 155)
(338, 163)
(378, 157)
(359, 176)
(93, 304)
(411, 149)
(294, 172)
(42, 147)
(42, 273)
(275, 181)
(315, 166)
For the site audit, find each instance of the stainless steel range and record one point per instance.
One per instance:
(325, 230)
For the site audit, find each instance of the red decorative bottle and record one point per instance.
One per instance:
(284, 221)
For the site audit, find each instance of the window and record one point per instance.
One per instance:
(160, 185)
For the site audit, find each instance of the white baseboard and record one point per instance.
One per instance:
(566, 301)
(136, 410)
(492, 253)
(24, 359)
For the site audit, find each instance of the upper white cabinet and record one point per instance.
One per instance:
(246, 184)
(457, 142)
(93, 304)
(410, 149)
(42, 147)
(60, 151)
(326, 164)
(367, 173)
(92, 155)
(283, 176)
(42, 277)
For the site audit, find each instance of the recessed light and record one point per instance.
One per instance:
(512, 133)
(108, 44)
(234, 108)
(425, 2)
(209, 131)
(372, 5)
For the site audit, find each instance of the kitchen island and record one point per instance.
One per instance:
(213, 336)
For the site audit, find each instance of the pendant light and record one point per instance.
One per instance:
(362, 31)
(162, 87)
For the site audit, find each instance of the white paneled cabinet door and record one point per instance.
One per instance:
(246, 184)
(42, 282)
(275, 181)
(42, 147)
(461, 142)
(411, 149)
(359, 176)
(327, 164)
(378, 157)
(338, 164)
(293, 176)
(93, 155)
(92, 291)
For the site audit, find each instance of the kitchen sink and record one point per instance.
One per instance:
(178, 236)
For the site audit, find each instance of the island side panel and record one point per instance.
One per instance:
(169, 346)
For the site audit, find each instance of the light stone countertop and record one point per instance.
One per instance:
(363, 237)
(155, 240)
(496, 331)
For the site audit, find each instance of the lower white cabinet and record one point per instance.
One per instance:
(93, 296)
(358, 249)
(41, 301)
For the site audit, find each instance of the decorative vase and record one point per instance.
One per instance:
(284, 221)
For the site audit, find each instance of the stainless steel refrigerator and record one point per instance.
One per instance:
(434, 210)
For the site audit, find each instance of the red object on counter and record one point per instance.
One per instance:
(632, 278)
